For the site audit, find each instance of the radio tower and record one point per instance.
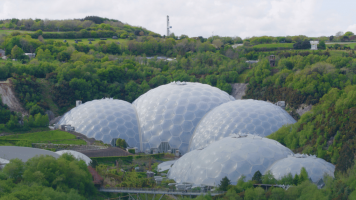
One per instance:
(167, 25)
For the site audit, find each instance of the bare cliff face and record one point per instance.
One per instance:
(8, 97)
(238, 90)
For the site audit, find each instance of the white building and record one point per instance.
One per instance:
(31, 55)
(314, 45)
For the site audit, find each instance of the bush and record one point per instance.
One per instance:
(132, 151)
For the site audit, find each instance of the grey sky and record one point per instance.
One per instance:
(244, 18)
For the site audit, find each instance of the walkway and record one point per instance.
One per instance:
(155, 192)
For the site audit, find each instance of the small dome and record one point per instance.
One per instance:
(76, 154)
(170, 113)
(104, 120)
(241, 116)
(232, 156)
(316, 167)
(22, 153)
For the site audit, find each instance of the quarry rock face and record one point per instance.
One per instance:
(238, 90)
(8, 97)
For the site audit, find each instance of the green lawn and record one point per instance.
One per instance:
(86, 41)
(275, 45)
(56, 137)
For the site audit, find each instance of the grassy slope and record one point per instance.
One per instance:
(56, 137)
(242, 77)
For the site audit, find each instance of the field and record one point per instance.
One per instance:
(275, 45)
(86, 41)
(351, 45)
(7, 32)
(56, 137)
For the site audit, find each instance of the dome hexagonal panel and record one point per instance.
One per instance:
(232, 156)
(241, 116)
(104, 120)
(174, 109)
(316, 167)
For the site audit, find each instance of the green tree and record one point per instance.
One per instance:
(224, 184)
(303, 176)
(257, 177)
(16, 52)
(14, 169)
(321, 45)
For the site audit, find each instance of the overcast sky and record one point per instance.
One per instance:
(244, 18)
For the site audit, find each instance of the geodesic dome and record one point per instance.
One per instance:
(104, 120)
(232, 156)
(169, 113)
(316, 167)
(241, 116)
(76, 155)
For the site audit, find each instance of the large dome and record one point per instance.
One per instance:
(104, 120)
(232, 156)
(316, 167)
(169, 113)
(241, 116)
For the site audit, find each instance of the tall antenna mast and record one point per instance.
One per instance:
(167, 25)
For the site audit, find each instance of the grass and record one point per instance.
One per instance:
(242, 77)
(86, 41)
(275, 45)
(56, 137)
(72, 141)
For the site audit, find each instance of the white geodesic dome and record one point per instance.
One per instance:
(170, 113)
(241, 116)
(76, 155)
(232, 157)
(104, 120)
(316, 167)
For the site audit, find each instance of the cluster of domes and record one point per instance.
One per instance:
(168, 116)
(218, 135)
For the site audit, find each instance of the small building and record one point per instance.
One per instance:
(272, 60)
(281, 104)
(31, 55)
(177, 153)
(2, 53)
(150, 174)
(148, 151)
(314, 45)
(78, 103)
(114, 37)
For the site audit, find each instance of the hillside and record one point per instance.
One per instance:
(317, 86)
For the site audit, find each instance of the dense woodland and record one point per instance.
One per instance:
(325, 79)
